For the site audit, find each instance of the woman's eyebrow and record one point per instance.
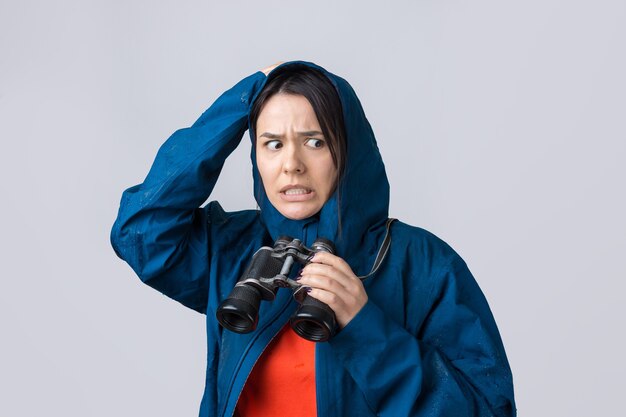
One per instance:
(276, 136)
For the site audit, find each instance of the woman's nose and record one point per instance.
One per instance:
(292, 162)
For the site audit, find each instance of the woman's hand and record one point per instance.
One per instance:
(267, 70)
(332, 281)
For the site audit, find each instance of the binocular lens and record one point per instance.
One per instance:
(314, 320)
(240, 311)
(310, 330)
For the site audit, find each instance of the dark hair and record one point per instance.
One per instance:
(298, 79)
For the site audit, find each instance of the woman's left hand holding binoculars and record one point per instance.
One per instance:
(332, 281)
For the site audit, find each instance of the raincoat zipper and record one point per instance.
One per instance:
(232, 381)
(317, 385)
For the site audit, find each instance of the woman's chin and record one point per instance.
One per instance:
(296, 217)
(298, 213)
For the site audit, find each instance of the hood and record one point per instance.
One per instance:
(364, 190)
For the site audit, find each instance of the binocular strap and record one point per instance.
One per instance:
(382, 251)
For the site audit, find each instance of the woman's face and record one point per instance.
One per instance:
(293, 157)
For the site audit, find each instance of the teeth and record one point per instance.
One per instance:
(293, 191)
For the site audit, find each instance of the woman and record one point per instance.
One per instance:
(416, 337)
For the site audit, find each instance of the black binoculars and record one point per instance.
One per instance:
(267, 272)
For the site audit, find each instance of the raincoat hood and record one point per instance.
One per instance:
(364, 189)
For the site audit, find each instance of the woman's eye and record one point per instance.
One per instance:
(315, 143)
(273, 145)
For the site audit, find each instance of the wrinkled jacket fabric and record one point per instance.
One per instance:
(425, 344)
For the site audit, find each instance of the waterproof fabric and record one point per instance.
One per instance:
(425, 344)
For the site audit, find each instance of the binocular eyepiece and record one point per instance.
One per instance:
(265, 274)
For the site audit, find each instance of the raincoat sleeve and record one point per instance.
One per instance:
(454, 365)
(160, 230)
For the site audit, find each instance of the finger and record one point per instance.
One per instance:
(269, 69)
(333, 300)
(324, 282)
(343, 313)
(333, 260)
(326, 270)
(339, 266)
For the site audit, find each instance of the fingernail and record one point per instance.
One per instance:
(309, 289)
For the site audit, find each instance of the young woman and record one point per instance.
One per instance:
(415, 333)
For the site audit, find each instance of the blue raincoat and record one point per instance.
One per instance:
(425, 344)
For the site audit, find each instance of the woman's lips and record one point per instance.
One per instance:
(297, 194)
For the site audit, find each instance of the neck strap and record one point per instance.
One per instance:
(382, 251)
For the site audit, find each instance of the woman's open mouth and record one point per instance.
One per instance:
(297, 194)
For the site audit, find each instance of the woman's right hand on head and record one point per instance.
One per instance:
(269, 69)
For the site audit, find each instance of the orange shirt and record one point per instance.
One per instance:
(282, 382)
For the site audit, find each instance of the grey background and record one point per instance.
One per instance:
(501, 125)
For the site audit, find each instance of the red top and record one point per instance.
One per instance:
(282, 382)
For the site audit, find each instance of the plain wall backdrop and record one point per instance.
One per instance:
(502, 127)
